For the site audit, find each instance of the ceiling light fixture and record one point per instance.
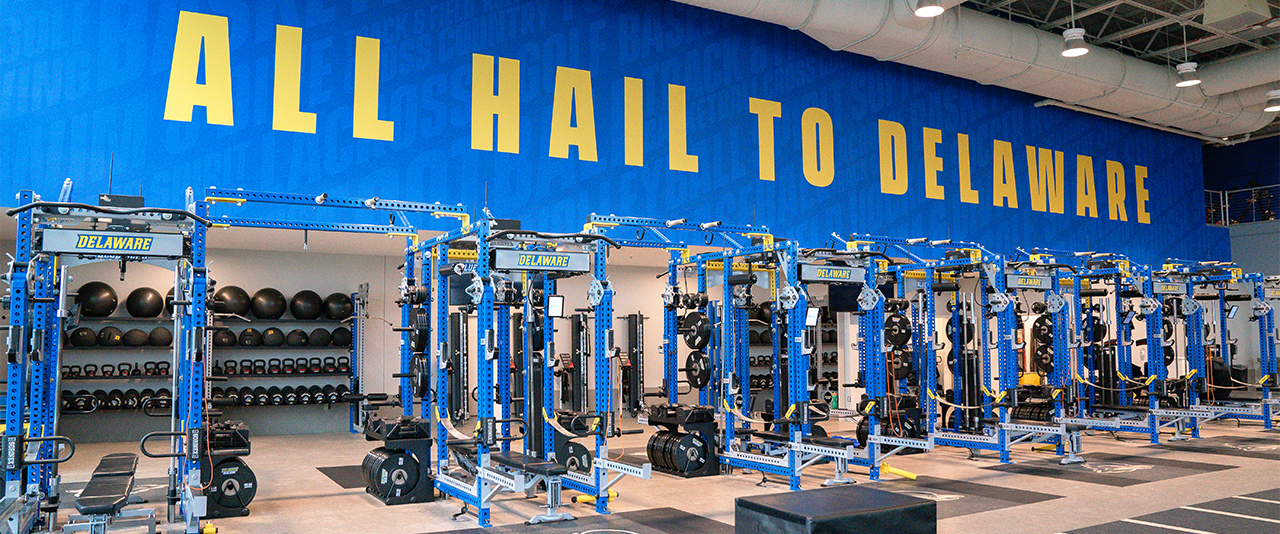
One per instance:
(929, 8)
(1187, 74)
(1073, 38)
(1187, 69)
(1073, 43)
(1273, 101)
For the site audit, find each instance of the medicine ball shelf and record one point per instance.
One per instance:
(119, 348)
(126, 319)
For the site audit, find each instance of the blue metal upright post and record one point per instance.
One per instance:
(603, 366)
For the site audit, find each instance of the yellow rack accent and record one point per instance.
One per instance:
(225, 200)
(465, 218)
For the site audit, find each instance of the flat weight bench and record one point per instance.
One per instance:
(780, 438)
(539, 470)
(103, 499)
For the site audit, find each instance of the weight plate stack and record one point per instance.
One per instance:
(689, 453)
(389, 473)
(233, 485)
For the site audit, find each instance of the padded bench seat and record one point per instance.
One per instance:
(1133, 408)
(528, 464)
(122, 463)
(108, 489)
(778, 437)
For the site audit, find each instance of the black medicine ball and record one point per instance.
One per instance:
(250, 337)
(135, 338)
(160, 337)
(83, 337)
(96, 299)
(144, 302)
(231, 299)
(318, 338)
(341, 337)
(296, 338)
(272, 337)
(110, 336)
(338, 306)
(268, 303)
(306, 305)
(224, 338)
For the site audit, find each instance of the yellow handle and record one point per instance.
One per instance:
(884, 466)
(1264, 379)
(1191, 374)
(1045, 448)
(789, 412)
(1150, 379)
(931, 395)
(592, 498)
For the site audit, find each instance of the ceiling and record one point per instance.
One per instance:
(1151, 30)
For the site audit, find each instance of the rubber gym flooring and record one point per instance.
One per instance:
(1226, 483)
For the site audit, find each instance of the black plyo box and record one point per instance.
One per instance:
(837, 510)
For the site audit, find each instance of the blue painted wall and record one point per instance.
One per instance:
(1251, 164)
(83, 81)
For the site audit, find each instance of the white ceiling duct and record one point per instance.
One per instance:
(994, 51)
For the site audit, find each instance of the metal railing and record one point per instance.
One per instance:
(1241, 206)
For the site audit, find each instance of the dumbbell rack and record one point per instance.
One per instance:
(262, 356)
(99, 356)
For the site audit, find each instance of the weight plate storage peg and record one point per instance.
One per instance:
(1043, 359)
(897, 329)
(1042, 329)
(697, 369)
(901, 360)
(697, 330)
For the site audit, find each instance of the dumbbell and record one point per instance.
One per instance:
(317, 395)
(64, 400)
(131, 399)
(230, 368)
(247, 397)
(290, 396)
(344, 364)
(164, 398)
(273, 366)
(232, 395)
(275, 396)
(304, 395)
(330, 394)
(90, 369)
(162, 368)
(124, 368)
(84, 400)
(315, 365)
(115, 399)
(330, 366)
(261, 396)
(287, 366)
